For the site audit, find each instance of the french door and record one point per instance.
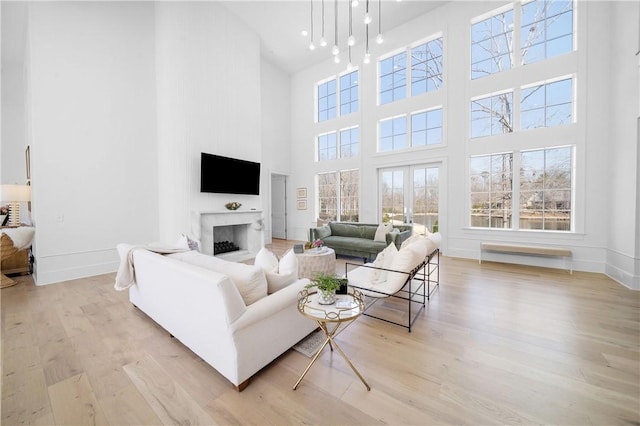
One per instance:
(411, 194)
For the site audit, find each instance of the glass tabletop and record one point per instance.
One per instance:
(347, 307)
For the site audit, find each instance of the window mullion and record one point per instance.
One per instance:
(515, 191)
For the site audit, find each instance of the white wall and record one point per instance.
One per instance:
(591, 134)
(623, 256)
(208, 94)
(276, 133)
(14, 134)
(92, 115)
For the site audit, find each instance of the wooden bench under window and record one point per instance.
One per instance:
(527, 249)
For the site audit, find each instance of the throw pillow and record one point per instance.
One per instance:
(266, 260)
(250, 281)
(323, 231)
(382, 231)
(192, 243)
(279, 274)
(182, 242)
(406, 259)
(384, 260)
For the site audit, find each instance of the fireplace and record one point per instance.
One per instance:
(242, 229)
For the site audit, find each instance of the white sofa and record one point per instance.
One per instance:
(205, 311)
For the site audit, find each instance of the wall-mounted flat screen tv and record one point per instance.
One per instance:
(226, 175)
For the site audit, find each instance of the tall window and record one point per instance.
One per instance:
(339, 195)
(426, 127)
(349, 142)
(492, 115)
(393, 196)
(426, 67)
(491, 190)
(492, 44)
(545, 189)
(393, 78)
(327, 147)
(349, 93)
(393, 134)
(546, 105)
(327, 196)
(327, 100)
(547, 29)
(426, 199)
(349, 196)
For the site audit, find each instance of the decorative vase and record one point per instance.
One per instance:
(234, 205)
(326, 297)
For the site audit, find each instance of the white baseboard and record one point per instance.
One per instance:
(64, 267)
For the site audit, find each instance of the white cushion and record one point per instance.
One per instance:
(182, 242)
(382, 231)
(279, 274)
(250, 280)
(267, 260)
(406, 259)
(384, 260)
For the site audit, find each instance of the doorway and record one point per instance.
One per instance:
(411, 194)
(278, 206)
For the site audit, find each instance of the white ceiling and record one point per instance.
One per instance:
(279, 24)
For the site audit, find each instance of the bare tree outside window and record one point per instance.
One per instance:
(349, 196)
(426, 67)
(491, 190)
(339, 196)
(545, 189)
(546, 31)
(327, 196)
(393, 197)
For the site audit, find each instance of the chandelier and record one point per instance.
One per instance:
(355, 15)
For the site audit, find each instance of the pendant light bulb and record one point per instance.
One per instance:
(355, 3)
(336, 59)
(323, 42)
(367, 18)
(312, 46)
(351, 40)
(367, 58)
(335, 50)
(379, 39)
(349, 66)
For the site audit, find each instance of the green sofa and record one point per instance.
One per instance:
(357, 239)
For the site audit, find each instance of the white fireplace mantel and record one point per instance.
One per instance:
(252, 232)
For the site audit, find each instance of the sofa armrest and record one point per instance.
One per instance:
(398, 238)
(268, 306)
(313, 234)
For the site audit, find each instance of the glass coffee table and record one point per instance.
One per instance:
(330, 318)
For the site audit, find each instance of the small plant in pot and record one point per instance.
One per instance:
(326, 286)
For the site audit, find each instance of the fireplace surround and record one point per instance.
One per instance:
(243, 228)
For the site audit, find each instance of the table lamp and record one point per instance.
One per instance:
(14, 195)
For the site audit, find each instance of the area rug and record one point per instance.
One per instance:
(310, 344)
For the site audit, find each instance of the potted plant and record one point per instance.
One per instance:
(326, 286)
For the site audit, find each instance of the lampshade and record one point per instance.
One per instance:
(12, 193)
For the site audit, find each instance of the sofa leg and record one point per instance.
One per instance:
(242, 385)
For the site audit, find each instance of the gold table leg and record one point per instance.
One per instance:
(332, 343)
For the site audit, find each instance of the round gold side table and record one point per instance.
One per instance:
(343, 312)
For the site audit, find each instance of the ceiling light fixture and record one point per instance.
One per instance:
(379, 38)
(311, 45)
(351, 41)
(367, 17)
(335, 50)
(323, 41)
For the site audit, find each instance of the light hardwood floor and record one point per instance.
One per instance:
(497, 344)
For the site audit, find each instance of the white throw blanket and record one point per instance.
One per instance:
(126, 276)
(22, 237)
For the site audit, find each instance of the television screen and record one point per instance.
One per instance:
(226, 175)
